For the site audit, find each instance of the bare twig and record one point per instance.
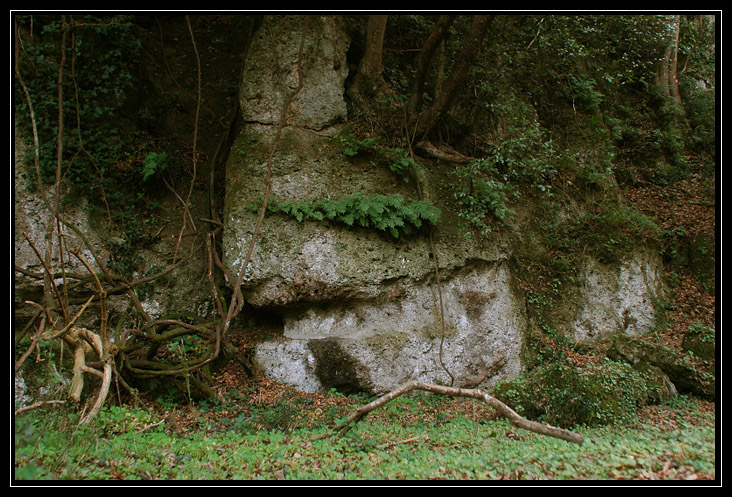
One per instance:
(41, 403)
(389, 445)
(152, 425)
(195, 140)
(70, 324)
(48, 275)
(34, 341)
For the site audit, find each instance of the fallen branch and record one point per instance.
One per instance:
(502, 408)
(40, 404)
(389, 445)
(152, 425)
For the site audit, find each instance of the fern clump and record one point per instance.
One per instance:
(386, 213)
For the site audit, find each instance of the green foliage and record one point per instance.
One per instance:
(526, 157)
(700, 340)
(560, 393)
(397, 159)
(284, 415)
(607, 233)
(389, 214)
(699, 78)
(352, 146)
(101, 55)
(616, 50)
(115, 420)
(399, 162)
(590, 81)
(420, 438)
(523, 162)
(585, 94)
(154, 164)
(479, 197)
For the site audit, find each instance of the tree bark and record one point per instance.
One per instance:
(368, 80)
(502, 408)
(426, 123)
(436, 37)
(667, 77)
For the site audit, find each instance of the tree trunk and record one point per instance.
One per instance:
(426, 123)
(667, 77)
(368, 80)
(439, 32)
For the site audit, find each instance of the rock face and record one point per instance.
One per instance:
(682, 374)
(619, 298)
(376, 344)
(31, 220)
(362, 311)
(271, 71)
(181, 293)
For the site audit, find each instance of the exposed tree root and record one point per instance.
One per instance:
(444, 153)
(502, 408)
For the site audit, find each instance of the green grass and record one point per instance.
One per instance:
(409, 439)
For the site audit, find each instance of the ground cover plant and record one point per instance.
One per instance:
(286, 436)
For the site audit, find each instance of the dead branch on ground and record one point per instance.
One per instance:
(38, 404)
(499, 406)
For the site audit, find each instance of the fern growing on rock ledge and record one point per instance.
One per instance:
(387, 213)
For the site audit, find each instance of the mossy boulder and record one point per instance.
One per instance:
(563, 394)
(700, 340)
(681, 371)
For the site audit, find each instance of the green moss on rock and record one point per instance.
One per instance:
(562, 394)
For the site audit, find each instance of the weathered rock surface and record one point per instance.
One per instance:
(375, 345)
(271, 71)
(31, 224)
(180, 292)
(680, 371)
(361, 311)
(620, 297)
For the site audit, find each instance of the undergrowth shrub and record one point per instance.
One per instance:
(397, 159)
(562, 394)
(607, 233)
(479, 196)
(585, 94)
(700, 340)
(98, 76)
(283, 415)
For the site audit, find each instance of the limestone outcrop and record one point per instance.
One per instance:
(363, 311)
